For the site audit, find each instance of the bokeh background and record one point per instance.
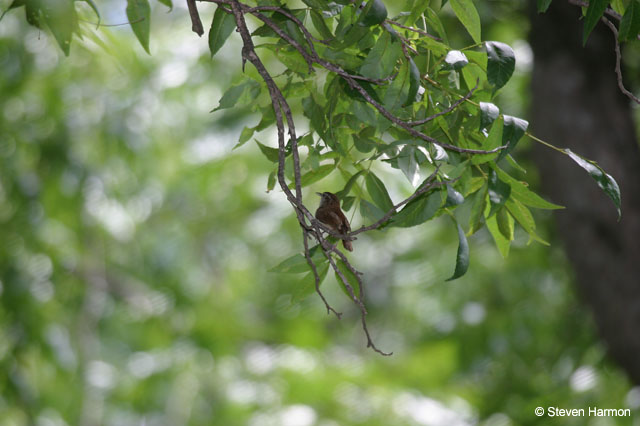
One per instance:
(135, 245)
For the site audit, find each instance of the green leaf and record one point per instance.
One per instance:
(477, 209)
(505, 223)
(307, 285)
(618, 6)
(364, 113)
(33, 10)
(524, 217)
(499, 192)
(604, 180)
(382, 58)
(293, 60)
(374, 13)
(272, 154)
(488, 114)
(468, 15)
(297, 263)
(244, 92)
(455, 59)
(494, 139)
(630, 23)
(502, 243)
(408, 164)
(139, 16)
(347, 202)
(462, 258)
(420, 209)
(514, 129)
(501, 61)
(347, 187)
(222, 26)
(371, 212)
(167, 3)
(594, 13)
(543, 5)
(378, 192)
(351, 279)
(245, 135)
(414, 82)
(320, 24)
(93, 6)
(271, 181)
(454, 198)
(434, 21)
(363, 144)
(523, 194)
(315, 175)
(61, 18)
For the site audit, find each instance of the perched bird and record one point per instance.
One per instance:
(330, 214)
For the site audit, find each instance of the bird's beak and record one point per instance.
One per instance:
(319, 193)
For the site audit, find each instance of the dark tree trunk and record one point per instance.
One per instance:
(576, 104)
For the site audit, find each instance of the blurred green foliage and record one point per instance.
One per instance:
(134, 249)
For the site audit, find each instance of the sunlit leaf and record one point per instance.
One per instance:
(488, 114)
(455, 59)
(513, 131)
(604, 180)
(501, 62)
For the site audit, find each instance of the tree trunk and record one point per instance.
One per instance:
(576, 104)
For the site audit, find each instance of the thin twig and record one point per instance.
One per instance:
(446, 111)
(623, 89)
(415, 30)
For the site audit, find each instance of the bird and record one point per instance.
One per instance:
(330, 214)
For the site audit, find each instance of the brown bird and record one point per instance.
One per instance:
(330, 214)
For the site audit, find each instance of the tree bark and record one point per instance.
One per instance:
(576, 104)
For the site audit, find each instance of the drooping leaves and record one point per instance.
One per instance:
(222, 26)
(594, 13)
(501, 62)
(604, 180)
(488, 114)
(139, 16)
(462, 257)
(378, 192)
(513, 131)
